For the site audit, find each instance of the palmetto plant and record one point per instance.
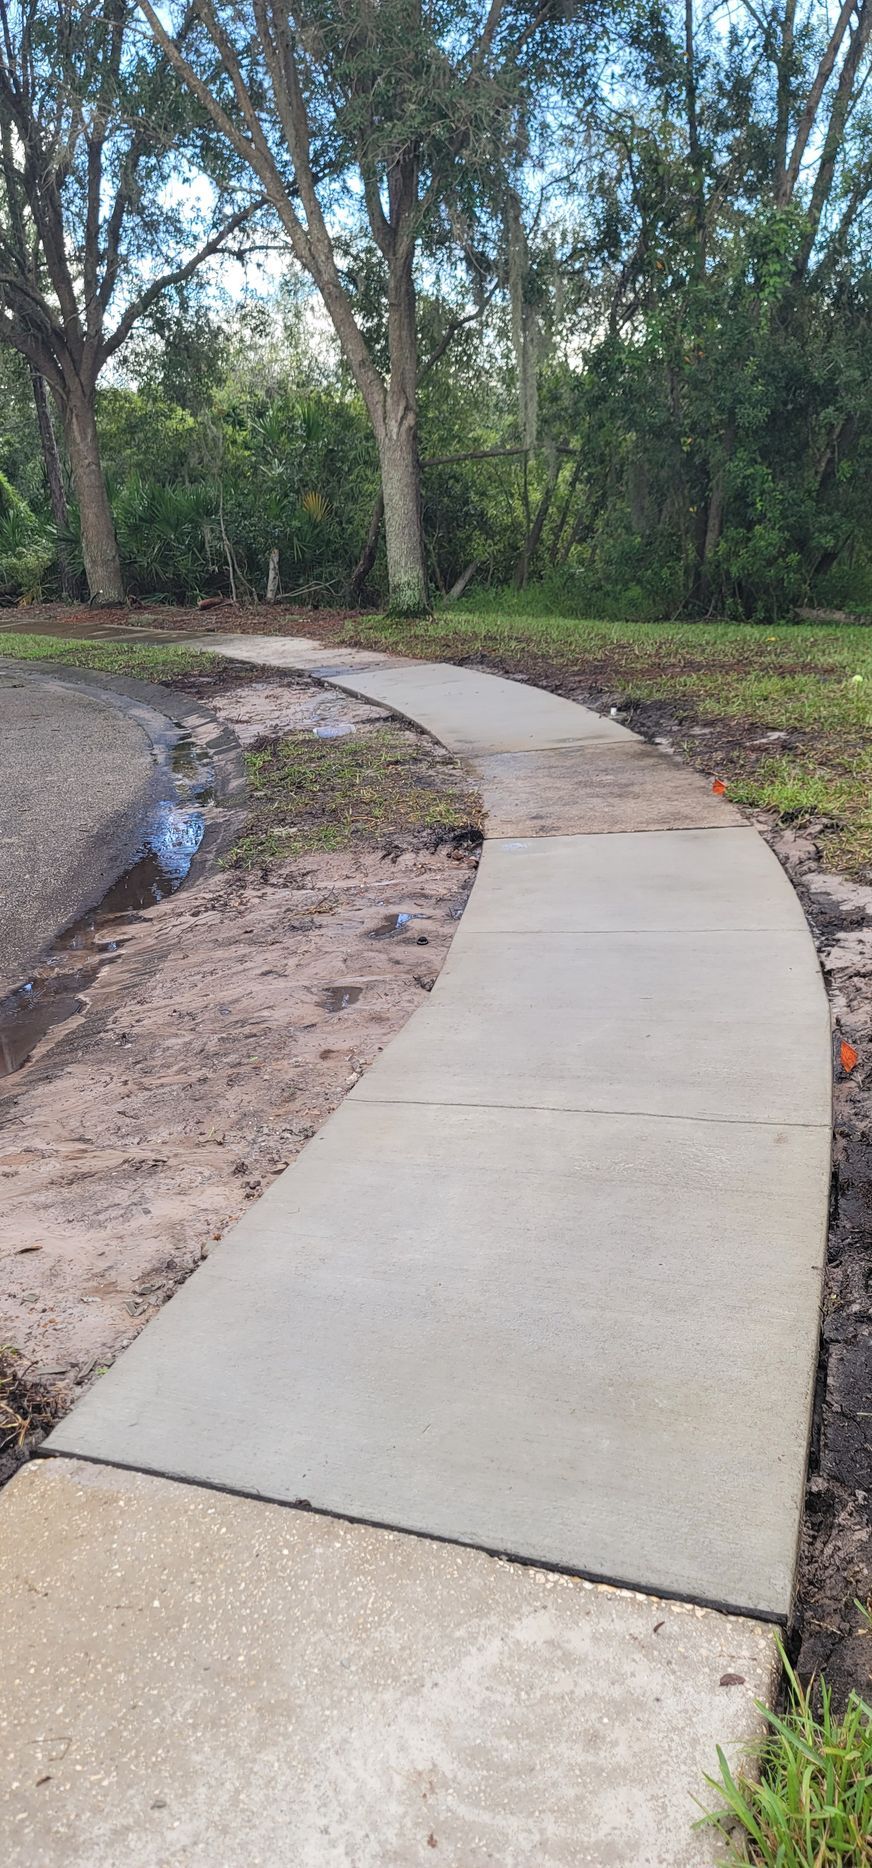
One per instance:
(169, 534)
(317, 506)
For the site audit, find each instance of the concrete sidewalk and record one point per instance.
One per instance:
(569, 1224)
(546, 1283)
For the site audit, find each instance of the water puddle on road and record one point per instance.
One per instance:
(57, 988)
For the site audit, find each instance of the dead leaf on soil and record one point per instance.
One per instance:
(848, 1056)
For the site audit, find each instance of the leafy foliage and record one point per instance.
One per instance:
(26, 550)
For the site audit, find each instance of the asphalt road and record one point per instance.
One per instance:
(77, 778)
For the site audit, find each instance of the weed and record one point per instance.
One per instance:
(310, 794)
(811, 1806)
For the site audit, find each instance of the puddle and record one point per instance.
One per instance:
(392, 924)
(336, 998)
(54, 993)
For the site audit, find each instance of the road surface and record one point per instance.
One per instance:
(77, 779)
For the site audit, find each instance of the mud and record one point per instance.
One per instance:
(233, 1017)
(830, 1635)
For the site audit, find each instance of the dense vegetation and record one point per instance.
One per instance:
(632, 243)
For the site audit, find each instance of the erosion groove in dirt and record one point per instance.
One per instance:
(212, 1049)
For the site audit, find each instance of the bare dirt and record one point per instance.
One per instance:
(233, 1022)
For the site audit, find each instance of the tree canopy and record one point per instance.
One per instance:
(579, 292)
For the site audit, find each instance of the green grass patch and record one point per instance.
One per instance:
(146, 661)
(309, 794)
(811, 1806)
(811, 683)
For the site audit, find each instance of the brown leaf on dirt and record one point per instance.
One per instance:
(848, 1056)
(719, 787)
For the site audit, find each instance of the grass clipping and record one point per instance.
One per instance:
(811, 1806)
(377, 783)
(28, 1409)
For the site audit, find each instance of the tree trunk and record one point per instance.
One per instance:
(366, 560)
(466, 577)
(99, 544)
(535, 530)
(408, 594)
(51, 461)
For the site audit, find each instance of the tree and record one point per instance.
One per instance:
(415, 115)
(722, 228)
(91, 130)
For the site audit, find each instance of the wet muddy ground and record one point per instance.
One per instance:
(208, 1034)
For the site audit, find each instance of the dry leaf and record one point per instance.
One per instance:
(719, 788)
(848, 1056)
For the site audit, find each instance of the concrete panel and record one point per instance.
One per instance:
(598, 787)
(586, 1340)
(290, 652)
(702, 881)
(196, 1679)
(473, 713)
(725, 1026)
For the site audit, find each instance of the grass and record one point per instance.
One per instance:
(309, 794)
(811, 1806)
(146, 661)
(813, 684)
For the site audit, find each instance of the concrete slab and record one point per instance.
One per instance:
(701, 881)
(587, 1340)
(597, 787)
(303, 652)
(474, 713)
(728, 1026)
(190, 1678)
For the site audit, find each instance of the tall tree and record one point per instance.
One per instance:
(415, 113)
(92, 129)
(734, 196)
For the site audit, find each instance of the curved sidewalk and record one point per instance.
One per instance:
(547, 1282)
